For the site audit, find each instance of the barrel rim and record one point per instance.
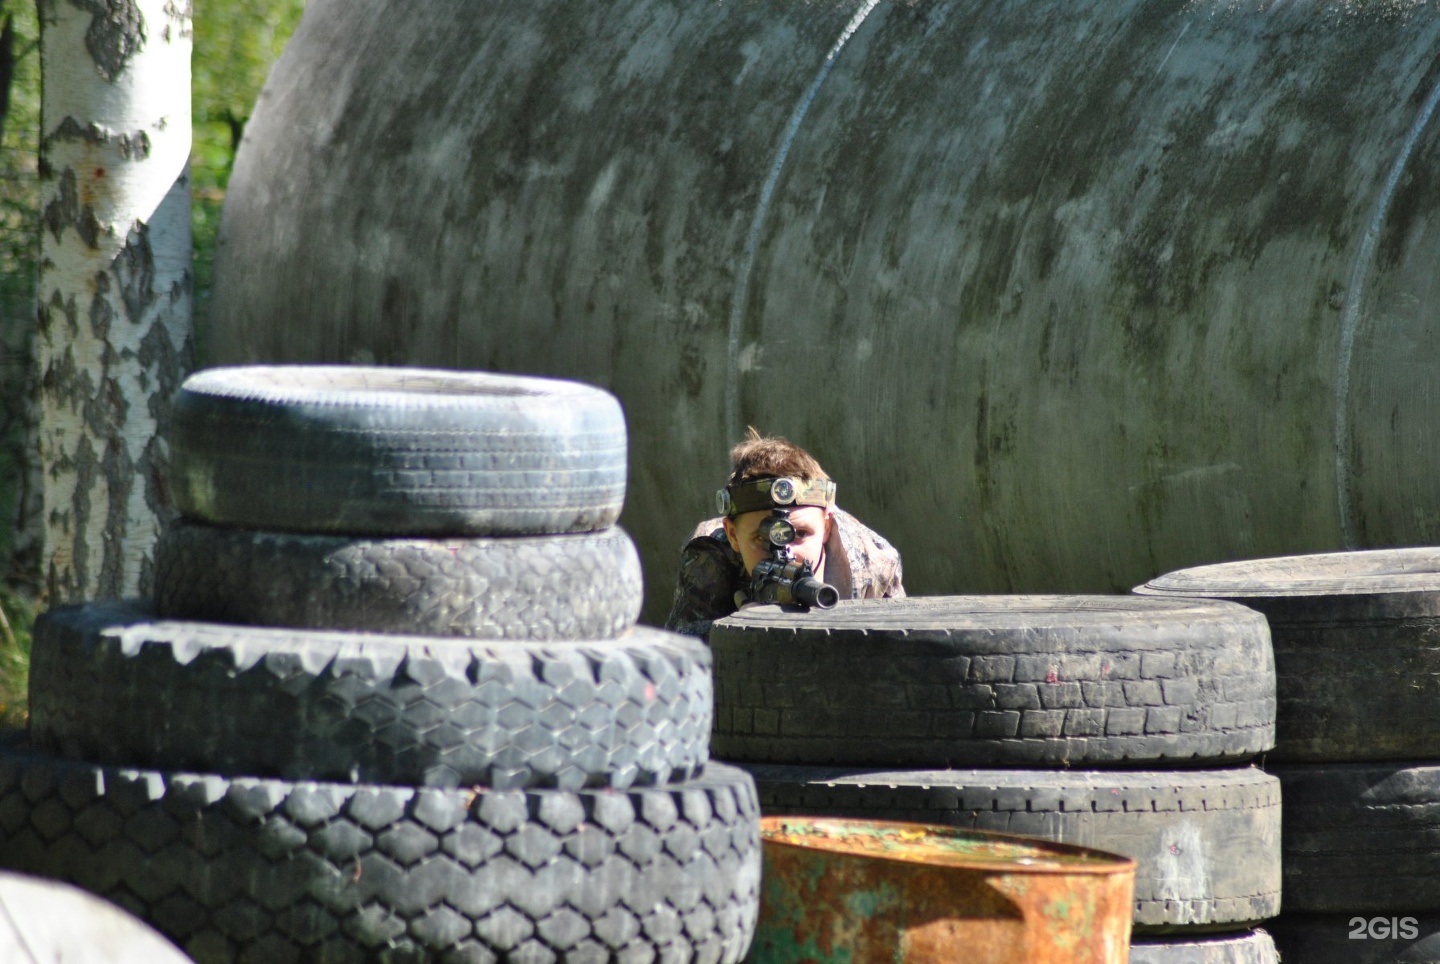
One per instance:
(1079, 860)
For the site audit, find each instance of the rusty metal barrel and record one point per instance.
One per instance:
(1064, 293)
(875, 890)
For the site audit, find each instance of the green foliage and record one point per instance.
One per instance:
(236, 41)
(17, 616)
(18, 159)
(19, 246)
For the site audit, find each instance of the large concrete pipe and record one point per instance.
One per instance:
(1064, 293)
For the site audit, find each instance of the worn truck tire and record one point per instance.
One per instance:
(1357, 647)
(1206, 842)
(395, 451)
(1361, 838)
(1255, 947)
(994, 680)
(1357, 938)
(581, 586)
(248, 869)
(110, 685)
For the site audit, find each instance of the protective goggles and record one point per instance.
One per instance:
(774, 493)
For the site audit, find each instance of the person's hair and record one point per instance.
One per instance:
(761, 457)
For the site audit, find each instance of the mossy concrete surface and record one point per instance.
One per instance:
(1064, 294)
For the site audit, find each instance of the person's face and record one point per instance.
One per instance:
(812, 528)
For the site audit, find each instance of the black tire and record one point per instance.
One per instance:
(994, 680)
(583, 586)
(266, 870)
(395, 451)
(1357, 647)
(1357, 938)
(1361, 838)
(111, 686)
(1206, 842)
(1256, 947)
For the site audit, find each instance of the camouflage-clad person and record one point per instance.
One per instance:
(717, 560)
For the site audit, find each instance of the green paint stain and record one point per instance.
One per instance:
(777, 945)
(871, 903)
(1059, 908)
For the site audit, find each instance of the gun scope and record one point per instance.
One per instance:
(779, 531)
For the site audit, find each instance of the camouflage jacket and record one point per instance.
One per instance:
(860, 563)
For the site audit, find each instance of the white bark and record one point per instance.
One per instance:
(114, 334)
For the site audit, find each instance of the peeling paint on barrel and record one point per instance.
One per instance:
(1065, 293)
(837, 891)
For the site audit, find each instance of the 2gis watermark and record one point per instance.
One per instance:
(1384, 928)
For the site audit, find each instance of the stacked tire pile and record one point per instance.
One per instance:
(1120, 723)
(1357, 660)
(391, 704)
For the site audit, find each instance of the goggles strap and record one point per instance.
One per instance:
(782, 493)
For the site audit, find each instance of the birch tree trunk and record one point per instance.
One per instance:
(114, 326)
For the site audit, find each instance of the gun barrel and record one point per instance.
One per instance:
(810, 591)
